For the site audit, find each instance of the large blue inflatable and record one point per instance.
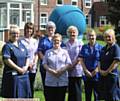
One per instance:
(67, 15)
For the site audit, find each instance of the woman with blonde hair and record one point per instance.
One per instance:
(56, 63)
(89, 57)
(15, 81)
(109, 61)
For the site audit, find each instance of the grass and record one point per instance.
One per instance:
(98, 41)
(39, 94)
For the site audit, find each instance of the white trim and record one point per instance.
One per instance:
(41, 3)
(16, 1)
(21, 15)
(104, 19)
(43, 18)
(89, 20)
(32, 13)
(89, 2)
(8, 15)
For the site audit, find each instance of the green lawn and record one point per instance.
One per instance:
(39, 94)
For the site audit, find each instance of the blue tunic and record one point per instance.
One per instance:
(108, 56)
(16, 85)
(91, 56)
(109, 88)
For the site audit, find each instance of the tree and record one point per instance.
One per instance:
(114, 16)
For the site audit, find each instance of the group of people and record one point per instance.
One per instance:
(63, 65)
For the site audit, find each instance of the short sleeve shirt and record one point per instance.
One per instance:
(90, 56)
(73, 50)
(17, 54)
(108, 55)
(31, 45)
(56, 60)
(44, 44)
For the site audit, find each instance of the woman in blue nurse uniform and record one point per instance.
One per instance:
(109, 60)
(15, 81)
(89, 57)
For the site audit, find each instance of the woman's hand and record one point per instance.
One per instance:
(23, 70)
(103, 73)
(88, 73)
(94, 72)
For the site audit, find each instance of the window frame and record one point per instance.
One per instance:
(43, 19)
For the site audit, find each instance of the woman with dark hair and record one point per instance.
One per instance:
(31, 44)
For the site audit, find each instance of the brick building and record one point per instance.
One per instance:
(94, 10)
(38, 11)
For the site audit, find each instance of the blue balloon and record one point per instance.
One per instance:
(67, 15)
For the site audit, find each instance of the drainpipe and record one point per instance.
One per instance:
(38, 15)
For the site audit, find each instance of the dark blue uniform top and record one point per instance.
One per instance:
(46, 44)
(108, 55)
(90, 56)
(17, 54)
(15, 85)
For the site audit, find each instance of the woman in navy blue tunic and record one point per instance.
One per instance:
(109, 59)
(89, 57)
(15, 81)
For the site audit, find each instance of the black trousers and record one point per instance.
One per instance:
(74, 89)
(91, 86)
(55, 93)
(32, 80)
(43, 74)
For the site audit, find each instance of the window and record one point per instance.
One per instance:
(15, 17)
(3, 15)
(14, 5)
(43, 2)
(103, 21)
(43, 20)
(74, 2)
(88, 20)
(26, 12)
(59, 2)
(26, 15)
(20, 13)
(88, 3)
(26, 6)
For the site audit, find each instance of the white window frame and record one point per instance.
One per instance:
(103, 18)
(76, 1)
(21, 23)
(88, 17)
(44, 19)
(19, 9)
(88, 2)
(43, 2)
(60, 4)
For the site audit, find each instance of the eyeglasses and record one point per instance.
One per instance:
(14, 34)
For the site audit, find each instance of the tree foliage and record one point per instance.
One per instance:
(114, 16)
